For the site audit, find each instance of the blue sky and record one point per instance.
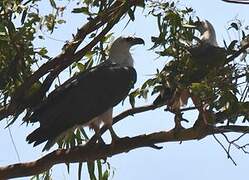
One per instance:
(190, 160)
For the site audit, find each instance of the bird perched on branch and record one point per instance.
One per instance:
(88, 98)
(206, 53)
(205, 56)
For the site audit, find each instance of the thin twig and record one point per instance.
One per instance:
(13, 143)
(238, 138)
(243, 148)
(223, 147)
(239, 147)
(237, 53)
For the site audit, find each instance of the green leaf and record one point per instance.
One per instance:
(83, 133)
(3, 37)
(89, 54)
(89, 63)
(167, 52)
(61, 21)
(50, 22)
(41, 37)
(188, 26)
(2, 28)
(131, 14)
(243, 34)
(92, 35)
(132, 96)
(68, 167)
(99, 165)
(225, 44)
(47, 176)
(24, 14)
(132, 101)
(83, 10)
(53, 4)
(91, 167)
(106, 175)
(235, 26)
(231, 46)
(81, 66)
(43, 51)
(78, 137)
(106, 37)
(79, 170)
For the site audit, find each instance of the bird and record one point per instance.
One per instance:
(208, 35)
(88, 98)
(204, 56)
(207, 51)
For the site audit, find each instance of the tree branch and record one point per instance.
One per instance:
(220, 117)
(227, 151)
(92, 152)
(237, 53)
(129, 112)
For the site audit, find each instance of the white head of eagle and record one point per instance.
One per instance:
(88, 98)
(208, 35)
(120, 50)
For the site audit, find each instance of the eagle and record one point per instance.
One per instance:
(205, 56)
(207, 51)
(88, 98)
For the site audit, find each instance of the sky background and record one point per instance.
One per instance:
(190, 160)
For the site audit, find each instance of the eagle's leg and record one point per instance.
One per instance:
(178, 126)
(107, 120)
(202, 108)
(204, 118)
(95, 126)
(178, 119)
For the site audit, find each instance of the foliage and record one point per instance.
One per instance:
(219, 82)
(44, 176)
(217, 86)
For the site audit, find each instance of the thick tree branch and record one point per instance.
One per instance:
(95, 151)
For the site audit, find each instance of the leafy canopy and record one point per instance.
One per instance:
(217, 85)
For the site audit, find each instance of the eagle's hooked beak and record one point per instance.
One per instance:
(135, 41)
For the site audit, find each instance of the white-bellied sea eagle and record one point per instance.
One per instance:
(88, 98)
